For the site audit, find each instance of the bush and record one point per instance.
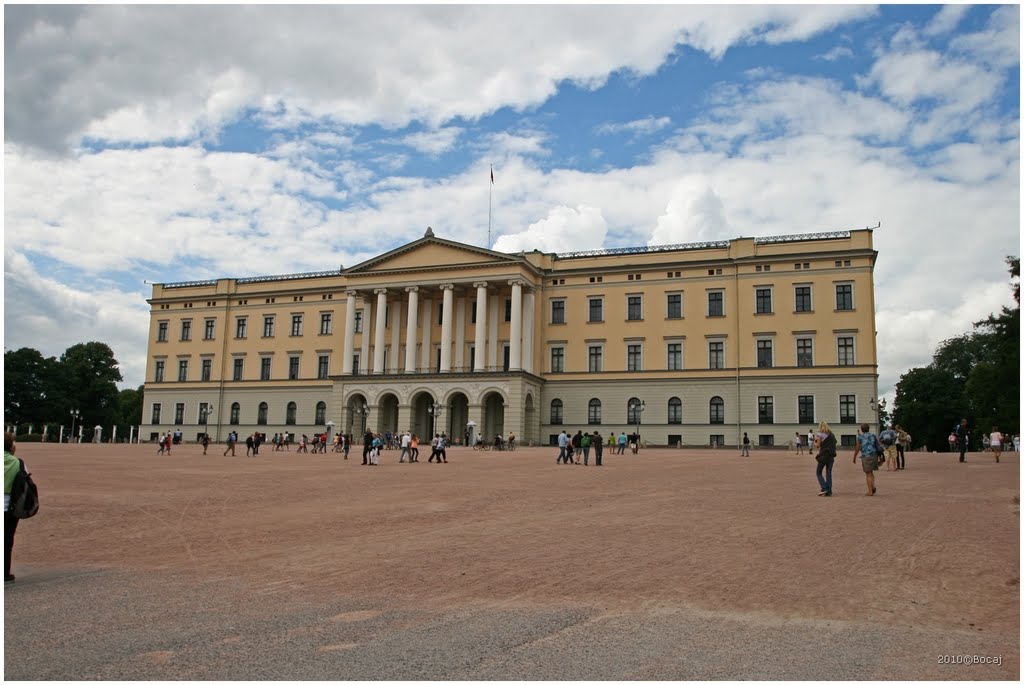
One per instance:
(30, 437)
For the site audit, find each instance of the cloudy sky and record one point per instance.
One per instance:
(177, 143)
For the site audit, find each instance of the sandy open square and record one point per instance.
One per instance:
(667, 565)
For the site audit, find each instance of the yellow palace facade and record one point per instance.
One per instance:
(688, 344)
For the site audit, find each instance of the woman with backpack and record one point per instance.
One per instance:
(12, 466)
(870, 450)
(825, 444)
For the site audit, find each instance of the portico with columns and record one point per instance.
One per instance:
(468, 339)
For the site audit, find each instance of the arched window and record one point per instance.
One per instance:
(321, 414)
(633, 411)
(289, 418)
(717, 410)
(236, 409)
(556, 411)
(594, 412)
(261, 416)
(675, 410)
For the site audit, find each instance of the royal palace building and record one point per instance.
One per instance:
(692, 344)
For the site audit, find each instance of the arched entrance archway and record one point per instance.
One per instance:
(387, 413)
(458, 416)
(494, 415)
(422, 418)
(357, 416)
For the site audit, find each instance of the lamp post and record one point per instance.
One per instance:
(638, 408)
(364, 412)
(75, 415)
(879, 408)
(206, 419)
(435, 410)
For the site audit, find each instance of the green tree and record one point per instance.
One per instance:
(90, 373)
(32, 391)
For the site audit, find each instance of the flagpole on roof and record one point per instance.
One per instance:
(490, 191)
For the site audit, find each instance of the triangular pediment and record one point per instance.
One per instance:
(431, 252)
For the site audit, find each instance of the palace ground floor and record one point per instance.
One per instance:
(665, 411)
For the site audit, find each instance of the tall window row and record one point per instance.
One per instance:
(205, 413)
(633, 414)
(238, 363)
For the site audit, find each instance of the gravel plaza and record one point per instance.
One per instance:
(668, 565)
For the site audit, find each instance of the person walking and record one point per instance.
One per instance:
(825, 444)
(161, 450)
(960, 433)
(868, 449)
(585, 444)
(634, 442)
(622, 443)
(442, 444)
(12, 466)
(902, 443)
(433, 449)
(232, 439)
(367, 444)
(414, 446)
(577, 445)
(745, 450)
(406, 452)
(800, 444)
(206, 443)
(249, 442)
(348, 444)
(598, 446)
(996, 442)
(888, 438)
(563, 442)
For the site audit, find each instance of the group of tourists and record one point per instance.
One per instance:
(409, 443)
(572, 449)
(994, 441)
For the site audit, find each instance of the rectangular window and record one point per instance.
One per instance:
(204, 413)
(716, 355)
(847, 409)
(161, 332)
(766, 441)
(557, 360)
(186, 330)
(359, 321)
(556, 412)
(179, 413)
(325, 323)
(675, 357)
(634, 308)
(763, 300)
(804, 352)
(803, 298)
(594, 413)
(557, 311)
(208, 327)
(848, 441)
(675, 411)
(675, 305)
(506, 357)
(594, 356)
(716, 305)
(158, 372)
(472, 311)
(182, 370)
(205, 369)
(240, 324)
(508, 310)
(764, 354)
(805, 408)
(322, 366)
(596, 310)
(265, 368)
(268, 327)
(844, 296)
(293, 368)
(440, 313)
(634, 361)
(845, 352)
(296, 324)
(236, 373)
(765, 409)
(155, 417)
(355, 363)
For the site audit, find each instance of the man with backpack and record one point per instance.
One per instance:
(20, 499)
(888, 439)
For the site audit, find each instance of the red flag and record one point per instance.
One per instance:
(492, 175)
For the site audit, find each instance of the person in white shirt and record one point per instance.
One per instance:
(995, 441)
(406, 441)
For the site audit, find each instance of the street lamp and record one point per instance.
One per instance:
(206, 419)
(435, 411)
(364, 412)
(75, 415)
(638, 408)
(879, 409)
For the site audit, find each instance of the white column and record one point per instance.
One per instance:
(481, 326)
(528, 316)
(515, 340)
(350, 332)
(364, 358)
(426, 362)
(460, 333)
(396, 329)
(378, 333)
(410, 329)
(492, 330)
(446, 327)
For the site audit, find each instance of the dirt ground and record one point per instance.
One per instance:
(672, 564)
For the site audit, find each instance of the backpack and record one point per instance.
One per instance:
(828, 448)
(24, 494)
(888, 437)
